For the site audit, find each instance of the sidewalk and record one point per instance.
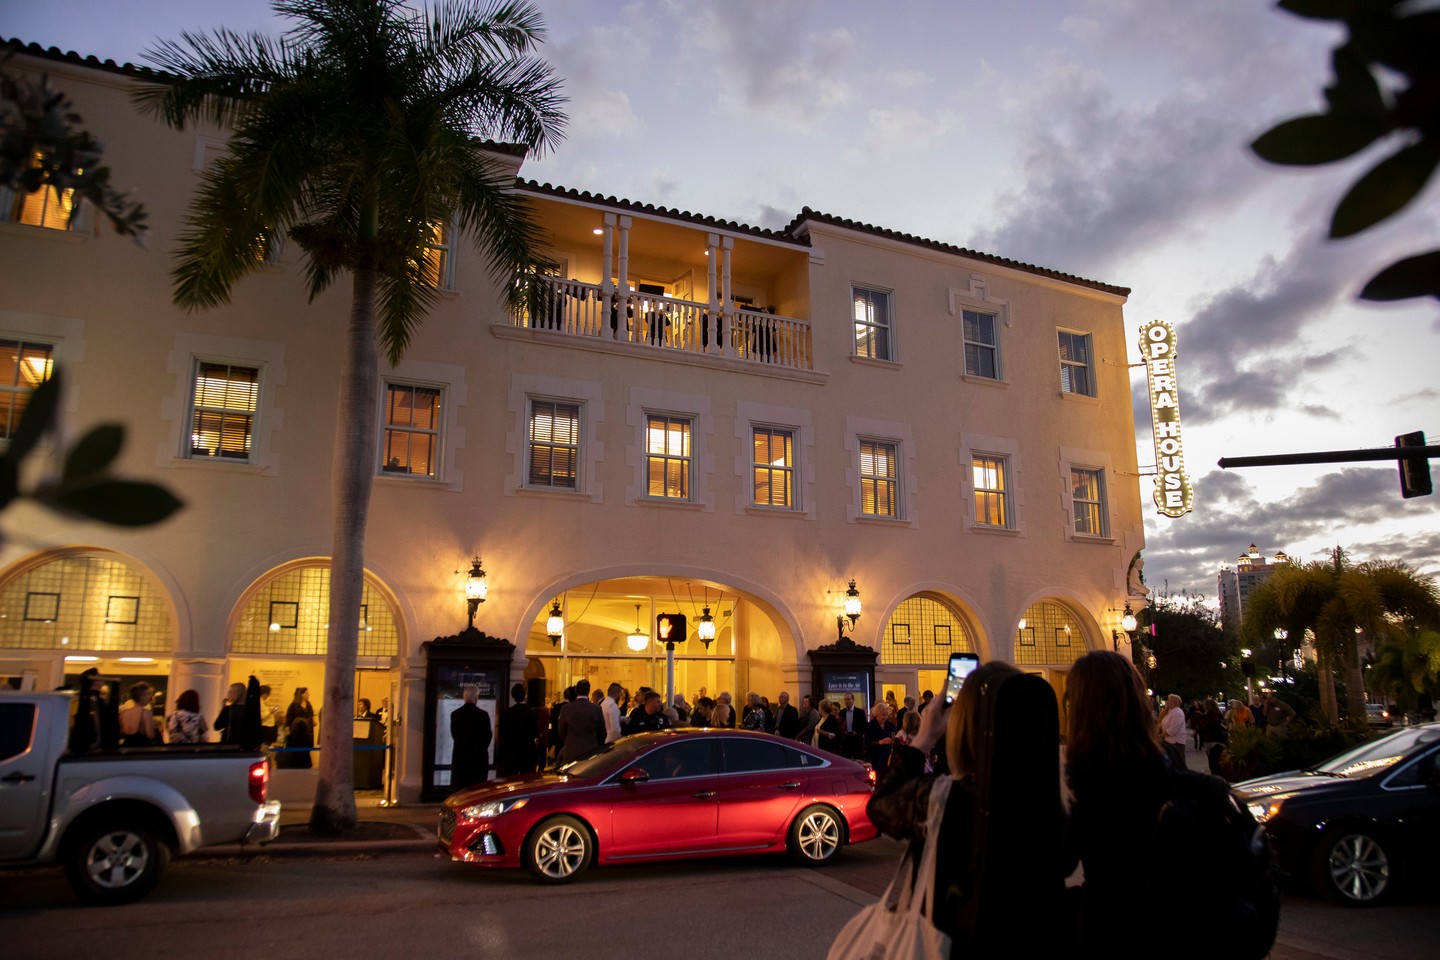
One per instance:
(409, 827)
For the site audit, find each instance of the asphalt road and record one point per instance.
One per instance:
(411, 904)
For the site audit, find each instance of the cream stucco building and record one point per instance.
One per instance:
(703, 414)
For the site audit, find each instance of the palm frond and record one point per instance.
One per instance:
(216, 77)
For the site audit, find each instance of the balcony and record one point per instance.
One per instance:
(669, 326)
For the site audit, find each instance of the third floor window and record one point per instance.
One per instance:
(871, 310)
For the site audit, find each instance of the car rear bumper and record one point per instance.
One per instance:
(267, 823)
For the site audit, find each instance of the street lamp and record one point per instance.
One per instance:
(705, 629)
(475, 588)
(1128, 623)
(852, 611)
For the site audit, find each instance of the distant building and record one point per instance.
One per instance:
(1251, 570)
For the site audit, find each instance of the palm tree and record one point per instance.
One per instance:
(352, 135)
(1383, 599)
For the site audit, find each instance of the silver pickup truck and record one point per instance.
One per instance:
(114, 818)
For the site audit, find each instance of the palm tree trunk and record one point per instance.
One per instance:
(352, 472)
(1326, 679)
(1354, 682)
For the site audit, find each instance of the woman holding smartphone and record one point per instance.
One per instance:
(1000, 863)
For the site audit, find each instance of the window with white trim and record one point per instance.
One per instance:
(879, 479)
(982, 347)
(224, 402)
(1077, 372)
(667, 456)
(437, 269)
(773, 467)
(23, 367)
(871, 309)
(47, 207)
(410, 444)
(1087, 494)
(992, 490)
(554, 444)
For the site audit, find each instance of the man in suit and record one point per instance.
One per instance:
(852, 729)
(787, 718)
(581, 725)
(517, 732)
(470, 731)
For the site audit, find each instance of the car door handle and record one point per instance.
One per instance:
(16, 777)
(789, 785)
(704, 795)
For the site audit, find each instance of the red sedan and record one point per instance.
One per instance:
(655, 796)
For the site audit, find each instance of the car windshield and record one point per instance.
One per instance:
(611, 757)
(1377, 756)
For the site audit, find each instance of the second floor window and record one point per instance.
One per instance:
(872, 323)
(554, 444)
(773, 467)
(1087, 492)
(667, 457)
(982, 354)
(1077, 374)
(223, 408)
(23, 367)
(46, 207)
(879, 494)
(411, 444)
(437, 268)
(992, 490)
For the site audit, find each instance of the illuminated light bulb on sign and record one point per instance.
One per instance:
(1174, 497)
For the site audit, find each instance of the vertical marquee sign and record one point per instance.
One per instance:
(1173, 494)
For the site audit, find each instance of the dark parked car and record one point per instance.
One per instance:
(1361, 824)
(1377, 715)
(664, 795)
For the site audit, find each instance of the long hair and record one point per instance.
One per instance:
(964, 726)
(189, 701)
(1110, 720)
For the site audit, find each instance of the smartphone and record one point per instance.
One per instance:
(960, 666)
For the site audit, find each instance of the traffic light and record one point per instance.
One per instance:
(670, 627)
(1414, 471)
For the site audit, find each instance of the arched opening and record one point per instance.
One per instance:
(917, 640)
(1048, 639)
(609, 636)
(65, 611)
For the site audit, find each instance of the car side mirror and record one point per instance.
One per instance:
(634, 775)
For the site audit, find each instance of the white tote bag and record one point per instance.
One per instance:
(903, 931)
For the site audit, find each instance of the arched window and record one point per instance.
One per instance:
(93, 601)
(1049, 633)
(924, 631)
(288, 612)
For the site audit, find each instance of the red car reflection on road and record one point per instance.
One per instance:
(670, 794)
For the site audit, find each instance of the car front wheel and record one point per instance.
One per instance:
(113, 864)
(559, 850)
(816, 835)
(1356, 868)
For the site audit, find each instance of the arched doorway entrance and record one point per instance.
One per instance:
(1048, 639)
(609, 636)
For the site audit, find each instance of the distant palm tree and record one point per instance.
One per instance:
(1384, 599)
(353, 135)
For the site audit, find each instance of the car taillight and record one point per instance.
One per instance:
(870, 776)
(259, 781)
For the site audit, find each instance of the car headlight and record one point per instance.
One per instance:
(492, 808)
(1262, 810)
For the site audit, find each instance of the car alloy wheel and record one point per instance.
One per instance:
(1357, 868)
(115, 864)
(816, 834)
(559, 850)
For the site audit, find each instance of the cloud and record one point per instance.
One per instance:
(1356, 507)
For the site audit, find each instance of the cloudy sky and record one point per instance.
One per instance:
(1104, 138)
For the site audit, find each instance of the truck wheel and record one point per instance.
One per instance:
(111, 864)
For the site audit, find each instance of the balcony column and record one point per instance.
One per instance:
(607, 271)
(714, 322)
(624, 275)
(727, 244)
